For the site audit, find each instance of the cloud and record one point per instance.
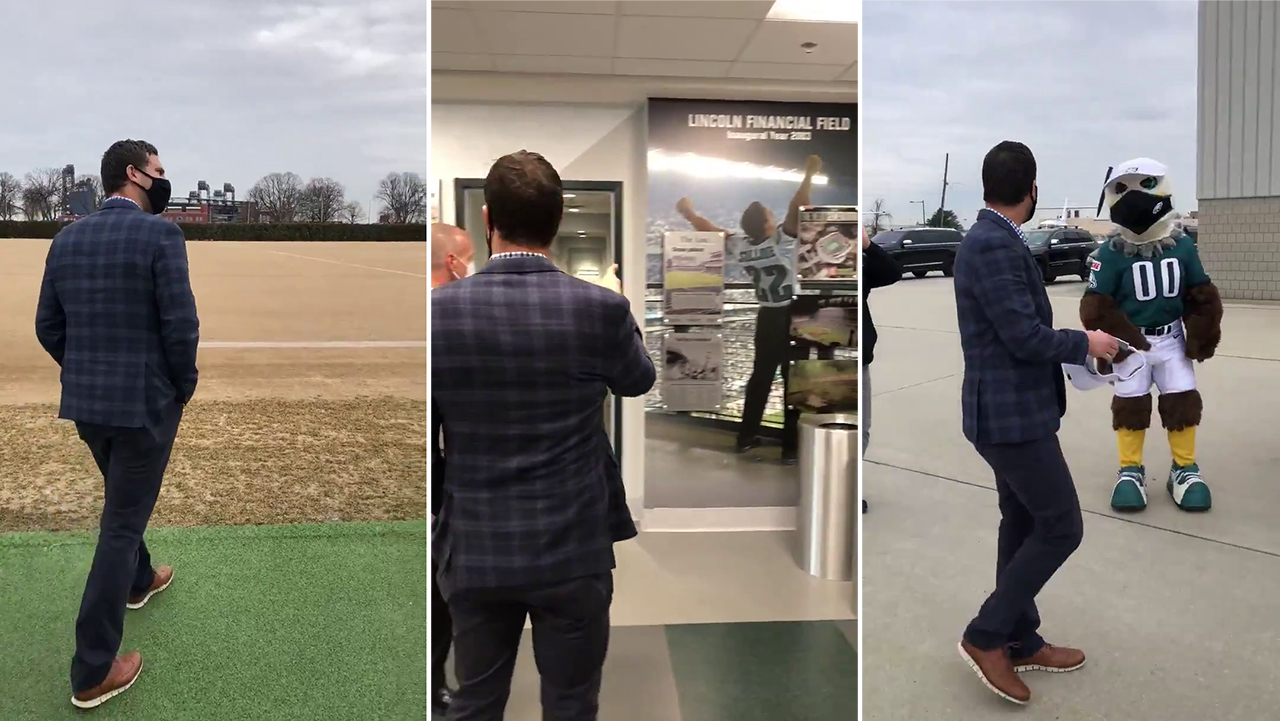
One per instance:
(1084, 84)
(227, 91)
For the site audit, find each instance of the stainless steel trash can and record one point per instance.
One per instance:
(829, 507)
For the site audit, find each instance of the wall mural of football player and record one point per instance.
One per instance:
(770, 263)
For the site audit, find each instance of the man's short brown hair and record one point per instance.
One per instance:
(118, 158)
(525, 199)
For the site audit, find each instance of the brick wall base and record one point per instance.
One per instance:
(1239, 244)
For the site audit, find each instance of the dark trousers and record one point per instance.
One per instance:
(772, 349)
(570, 638)
(1040, 527)
(441, 632)
(132, 461)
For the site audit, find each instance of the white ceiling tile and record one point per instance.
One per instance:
(779, 42)
(682, 38)
(671, 68)
(851, 73)
(452, 31)
(776, 71)
(460, 61)
(583, 7)
(748, 9)
(557, 64)
(507, 33)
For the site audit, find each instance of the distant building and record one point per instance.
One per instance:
(198, 208)
(186, 212)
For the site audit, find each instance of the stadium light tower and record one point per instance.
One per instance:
(68, 185)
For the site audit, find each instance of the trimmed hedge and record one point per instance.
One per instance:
(251, 231)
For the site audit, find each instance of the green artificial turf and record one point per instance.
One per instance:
(261, 622)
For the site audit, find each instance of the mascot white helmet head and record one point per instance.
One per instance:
(1139, 198)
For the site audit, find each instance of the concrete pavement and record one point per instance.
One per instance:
(1177, 612)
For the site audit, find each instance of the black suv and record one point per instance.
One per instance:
(1061, 251)
(921, 250)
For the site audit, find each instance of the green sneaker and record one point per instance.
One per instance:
(1130, 493)
(1188, 489)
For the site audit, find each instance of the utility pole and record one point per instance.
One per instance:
(946, 165)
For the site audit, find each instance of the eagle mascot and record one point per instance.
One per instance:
(1148, 288)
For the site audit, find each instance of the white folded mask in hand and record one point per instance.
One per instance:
(1089, 376)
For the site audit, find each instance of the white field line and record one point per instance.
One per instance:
(352, 265)
(316, 344)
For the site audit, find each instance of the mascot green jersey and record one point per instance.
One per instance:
(1149, 291)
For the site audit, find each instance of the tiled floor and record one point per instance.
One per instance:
(718, 627)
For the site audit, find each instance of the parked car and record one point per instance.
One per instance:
(920, 250)
(1061, 251)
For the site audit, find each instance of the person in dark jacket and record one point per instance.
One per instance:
(878, 270)
(117, 314)
(522, 359)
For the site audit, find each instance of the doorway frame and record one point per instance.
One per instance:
(462, 185)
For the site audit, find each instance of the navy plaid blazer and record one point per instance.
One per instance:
(1013, 390)
(117, 313)
(521, 357)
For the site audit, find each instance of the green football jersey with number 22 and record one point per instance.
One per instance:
(1148, 290)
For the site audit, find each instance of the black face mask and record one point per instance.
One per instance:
(1138, 210)
(158, 193)
(1032, 212)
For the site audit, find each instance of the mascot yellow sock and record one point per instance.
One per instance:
(1182, 445)
(1130, 444)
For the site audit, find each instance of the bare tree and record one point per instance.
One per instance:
(42, 189)
(10, 196)
(92, 184)
(877, 212)
(352, 213)
(322, 201)
(405, 195)
(278, 197)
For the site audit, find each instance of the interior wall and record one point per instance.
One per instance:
(583, 142)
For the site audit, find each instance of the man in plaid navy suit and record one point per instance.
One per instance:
(1013, 400)
(117, 314)
(521, 358)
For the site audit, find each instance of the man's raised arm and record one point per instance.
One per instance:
(699, 223)
(791, 224)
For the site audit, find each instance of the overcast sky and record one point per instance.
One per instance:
(1084, 84)
(228, 91)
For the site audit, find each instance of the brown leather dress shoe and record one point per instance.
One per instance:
(164, 577)
(124, 671)
(996, 671)
(1054, 659)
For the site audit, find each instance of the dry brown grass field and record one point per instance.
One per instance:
(312, 398)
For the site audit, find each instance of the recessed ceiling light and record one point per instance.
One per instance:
(574, 210)
(816, 11)
(570, 195)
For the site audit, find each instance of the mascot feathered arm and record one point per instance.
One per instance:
(1099, 310)
(1202, 311)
